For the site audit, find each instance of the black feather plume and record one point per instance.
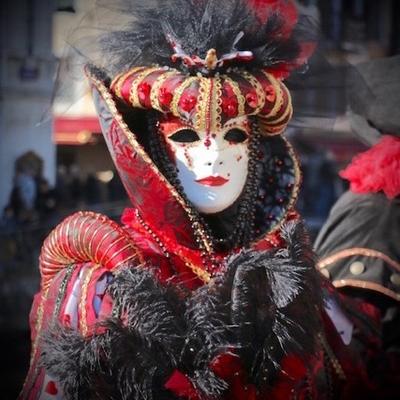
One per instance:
(265, 306)
(197, 25)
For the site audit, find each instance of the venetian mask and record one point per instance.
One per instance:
(212, 166)
(205, 124)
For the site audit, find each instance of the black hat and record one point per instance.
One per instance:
(374, 98)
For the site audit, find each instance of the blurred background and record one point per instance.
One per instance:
(54, 161)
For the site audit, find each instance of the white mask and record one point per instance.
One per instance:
(213, 166)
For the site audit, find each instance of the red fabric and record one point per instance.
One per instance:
(181, 255)
(82, 237)
(293, 371)
(226, 365)
(377, 169)
(51, 388)
(181, 386)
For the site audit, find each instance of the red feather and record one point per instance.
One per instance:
(282, 71)
(286, 8)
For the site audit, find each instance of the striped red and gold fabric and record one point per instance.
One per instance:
(208, 101)
(86, 237)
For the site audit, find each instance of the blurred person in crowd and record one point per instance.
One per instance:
(61, 188)
(115, 189)
(359, 245)
(92, 189)
(360, 26)
(28, 169)
(46, 199)
(319, 177)
(75, 186)
(8, 219)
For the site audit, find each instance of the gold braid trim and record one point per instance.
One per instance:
(156, 88)
(278, 95)
(178, 94)
(199, 272)
(261, 98)
(83, 300)
(121, 78)
(357, 283)
(376, 287)
(202, 104)
(357, 251)
(239, 96)
(134, 95)
(216, 98)
(288, 109)
(39, 322)
(71, 242)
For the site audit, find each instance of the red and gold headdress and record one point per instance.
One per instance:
(208, 101)
(206, 86)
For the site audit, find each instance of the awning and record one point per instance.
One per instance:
(75, 130)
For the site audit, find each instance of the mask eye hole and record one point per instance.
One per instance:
(185, 136)
(236, 135)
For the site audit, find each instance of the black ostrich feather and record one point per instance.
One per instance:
(265, 306)
(135, 354)
(197, 25)
(274, 303)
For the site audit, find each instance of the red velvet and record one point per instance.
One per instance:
(181, 386)
(377, 169)
(226, 365)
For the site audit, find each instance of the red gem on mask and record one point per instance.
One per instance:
(252, 100)
(229, 106)
(207, 142)
(165, 97)
(270, 94)
(143, 91)
(187, 103)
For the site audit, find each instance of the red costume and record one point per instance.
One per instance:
(177, 303)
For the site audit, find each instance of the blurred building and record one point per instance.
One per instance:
(27, 67)
(81, 149)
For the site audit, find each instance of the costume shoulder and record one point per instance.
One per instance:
(359, 244)
(77, 263)
(85, 237)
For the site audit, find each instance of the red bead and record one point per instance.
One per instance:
(51, 388)
(252, 100)
(143, 91)
(229, 106)
(165, 97)
(187, 103)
